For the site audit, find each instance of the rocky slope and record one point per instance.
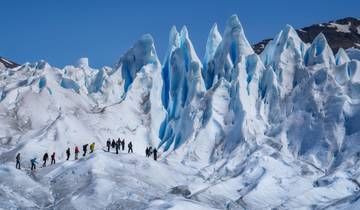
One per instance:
(5, 63)
(343, 33)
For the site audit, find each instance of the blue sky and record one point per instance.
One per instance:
(60, 32)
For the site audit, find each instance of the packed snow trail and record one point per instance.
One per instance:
(120, 181)
(133, 181)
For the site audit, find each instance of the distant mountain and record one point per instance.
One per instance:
(342, 33)
(7, 63)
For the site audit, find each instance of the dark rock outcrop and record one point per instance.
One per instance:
(343, 33)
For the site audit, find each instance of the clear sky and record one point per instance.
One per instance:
(61, 31)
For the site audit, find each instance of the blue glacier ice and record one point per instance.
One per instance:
(319, 52)
(142, 53)
(70, 84)
(341, 57)
(213, 41)
(183, 83)
(230, 51)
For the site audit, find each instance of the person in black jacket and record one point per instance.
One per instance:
(130, 147)
(45, 158)
(113, 144)
(85, 149)
(108, 144)
(53, 158)
(18, 161)
(147, 151)
(123, 145)
(155, 154)
(117, 147)
(68, 153)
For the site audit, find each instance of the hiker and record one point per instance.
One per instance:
(85, 149)
(123, 145)
(45, 158)
(113, 144)
(155, 154)
(150, 151)
(92, 147)
(77, 151)
(53, 158)
(68, 153)
(117, 147)
(108, 144)
(147, 151)
(18, 161)
(130, 149)
(33, 163)
(118, 142)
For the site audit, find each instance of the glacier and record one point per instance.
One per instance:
(235, 130)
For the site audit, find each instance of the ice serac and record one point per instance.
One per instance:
(353, 53)
(174, 42)
(231, 50)
(237, 43)
(141, 76)
(234, 70)
(245, 103)
(208, 144)
(341, 57)
(286, 45)
(230, 118)
(213, 41)
(83, 62)
(270, 109)
(141, 54)
(80, 77)
(319, 52)
(285, 56)
(183, 87)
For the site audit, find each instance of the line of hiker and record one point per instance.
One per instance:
(77, 151)
(121, 144)
(118, 144)
(46, 158)
(150, 151)
(34, 161)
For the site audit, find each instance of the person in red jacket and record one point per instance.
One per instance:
(76, 152)
(53, 158)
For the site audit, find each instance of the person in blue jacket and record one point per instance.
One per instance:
(33, 164)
